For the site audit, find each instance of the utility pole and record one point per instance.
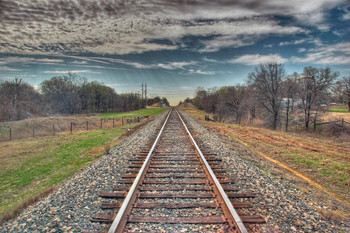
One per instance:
(146, 94)
(142, 96)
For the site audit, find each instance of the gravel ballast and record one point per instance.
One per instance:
(71, 206)
(282, 204)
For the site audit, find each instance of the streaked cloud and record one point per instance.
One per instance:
(68, 71)
(6, 68)
(337, 54)
(31, 60)
(119, 27)
(255, 59)
(199, 71)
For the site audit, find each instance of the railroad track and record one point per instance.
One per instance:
(172, 186)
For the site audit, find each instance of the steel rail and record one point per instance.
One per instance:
(119, 221)
(237, 220)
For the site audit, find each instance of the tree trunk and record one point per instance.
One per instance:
(275, 118)
(315, 121)
(307, 119)
(287, 115)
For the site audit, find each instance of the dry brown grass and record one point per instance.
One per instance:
(331, 116)
(324, 162)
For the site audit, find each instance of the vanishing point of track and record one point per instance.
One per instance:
(174, 183)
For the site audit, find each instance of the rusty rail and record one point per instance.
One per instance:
(121, 218)
(157, 162)
(226, 205)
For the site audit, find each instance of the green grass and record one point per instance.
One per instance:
(138, 113)
(29, 167)
(340, 109)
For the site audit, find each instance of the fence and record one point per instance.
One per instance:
(341, 123)
(58, 126)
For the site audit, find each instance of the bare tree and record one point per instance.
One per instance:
(346, 83)
(289, 90)
(313, 86)
(342, 90)
(230, 101)
(267, 81)
(18, 100)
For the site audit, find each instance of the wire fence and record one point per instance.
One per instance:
(340, 123)
(51, 127)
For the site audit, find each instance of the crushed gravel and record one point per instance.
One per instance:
(281, 203)
(71, 206)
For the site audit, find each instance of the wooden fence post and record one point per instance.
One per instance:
(342, 123)
(71, 127)
(10, 134)
(122, 120)
(113, 122)
(101, 124)
(53, 129)
(87, 125)
(33, 132)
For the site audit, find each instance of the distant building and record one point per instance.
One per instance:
(293, 102)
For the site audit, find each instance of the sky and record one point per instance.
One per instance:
(174, 46)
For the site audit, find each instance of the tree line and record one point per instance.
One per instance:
(68, 94)
(274, 96)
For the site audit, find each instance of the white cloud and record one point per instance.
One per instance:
(68, 71)
(113, 85)
(315, 41)
(301, 50)
(133, 27)
(79, 62)
(6, 68)
(123, 27)
(295, 42)
(255, 59)
(49, 60)
(138, 65)
(16, 59)
(338, 54)
(193, 71)
(346, 15)
(175, 65)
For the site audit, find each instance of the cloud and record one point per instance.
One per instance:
(338, 54)
(255, 59)
(113, 85)
(294, 42)
(124, 27)
(346, 15)
(315, 41)
(68, 71)
(175, 65)
(6, 68)
(193, 71)
(32, 60)
(138, 65)
(79, 62)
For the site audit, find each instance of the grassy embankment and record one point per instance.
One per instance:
(138, 113)
(322, 162)
(30, 168)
